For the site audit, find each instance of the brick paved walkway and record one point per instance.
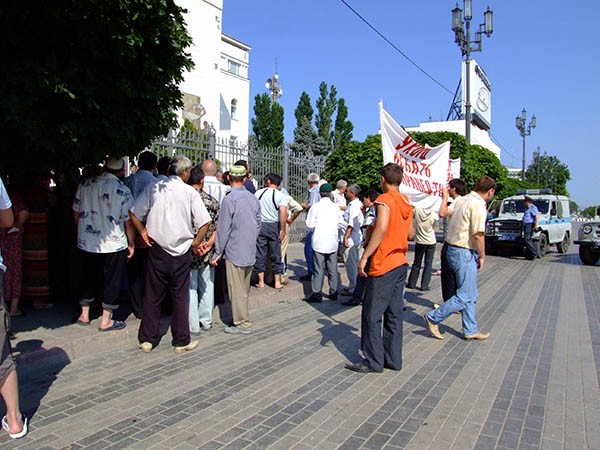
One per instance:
(533, 384)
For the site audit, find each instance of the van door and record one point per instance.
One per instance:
(554, 229)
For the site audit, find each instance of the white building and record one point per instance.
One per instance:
(217, 90)
(478, 136)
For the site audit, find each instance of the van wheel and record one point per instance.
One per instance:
(563, 246)
(588, 257)
(542, 245)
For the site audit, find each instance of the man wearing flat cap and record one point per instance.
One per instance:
(530, 224)
(237, 232)
(322, 220)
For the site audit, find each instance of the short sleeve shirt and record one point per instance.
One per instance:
(467, 220)
(530, 214)
(103, 204)
(354, 218)
(270, 201)
(5, 203)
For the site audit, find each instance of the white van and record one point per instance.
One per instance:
(506, 230)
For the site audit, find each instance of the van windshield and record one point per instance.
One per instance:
(518, 206)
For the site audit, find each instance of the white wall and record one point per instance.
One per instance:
(478, 136)
(210, 79)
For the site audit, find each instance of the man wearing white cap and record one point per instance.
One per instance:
(105, 237)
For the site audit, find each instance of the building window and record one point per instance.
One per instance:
(234, 109)
(233, 67)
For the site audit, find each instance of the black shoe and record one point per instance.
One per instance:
(361, 367)
(410, 286)
(424, 288)
(352, 302)
(314, 298)
(306, 277)
(333, 297)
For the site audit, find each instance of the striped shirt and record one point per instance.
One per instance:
(214, 187)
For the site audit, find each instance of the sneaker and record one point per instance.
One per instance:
(205, 327)
(146, 347)
(187, 348)
(236, 330)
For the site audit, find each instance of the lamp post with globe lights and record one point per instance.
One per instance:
(524, 130)
(462, 36)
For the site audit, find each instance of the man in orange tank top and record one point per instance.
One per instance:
(384, 300)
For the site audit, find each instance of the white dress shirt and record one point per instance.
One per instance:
(171, 209)
(323, 218)
(354, 218)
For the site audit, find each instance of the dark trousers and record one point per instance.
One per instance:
(530, 249)
(136, 276)
(361, 283)
(221, 296)
(383, 305)
(427, 251)
(448, 277)
(268, 243)
(105, 268)
(163, 272)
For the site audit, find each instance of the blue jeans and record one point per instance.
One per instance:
(308, 253)
(202, 297)
(463, 262)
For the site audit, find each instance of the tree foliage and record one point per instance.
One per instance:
(342, 131)
(303, 110)
(357, 162)
(88, 78)
(326, 107)
(267, 123)
(591, 212)
(549, 172)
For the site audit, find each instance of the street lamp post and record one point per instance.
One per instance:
(524, 130)
(462, 36)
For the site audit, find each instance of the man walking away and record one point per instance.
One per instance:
(466, 257)
(273, 216)
(237, 232)
(172, 210)
(322, 220)
(385, 286)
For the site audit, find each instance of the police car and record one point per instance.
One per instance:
(505, 231)
(589, 242)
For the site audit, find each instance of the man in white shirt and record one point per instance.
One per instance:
(172, 210)
(313, 198)
(105, 237)
(353, 236)
(322, 221)
(273, 216)
(212, 186)
(338, 197)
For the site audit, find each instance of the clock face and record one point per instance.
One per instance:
(483, 99)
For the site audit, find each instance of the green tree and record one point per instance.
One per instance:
(303, 110)
(549, 172)
(342, 131)
(326, 106)
(573, 206)
(304, 138)
(88, 78)
(590, 211)
(357, 162)
(267, 123)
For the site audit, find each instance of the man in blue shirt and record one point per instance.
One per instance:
(530, 224)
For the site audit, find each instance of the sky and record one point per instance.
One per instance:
(543, 56)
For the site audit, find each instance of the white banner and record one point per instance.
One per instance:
(453, 168)
(426, 169)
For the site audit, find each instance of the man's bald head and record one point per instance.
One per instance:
(209, 167)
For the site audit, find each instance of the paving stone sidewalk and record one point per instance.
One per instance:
(533, 384)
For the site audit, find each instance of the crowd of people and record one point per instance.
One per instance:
(174, 233)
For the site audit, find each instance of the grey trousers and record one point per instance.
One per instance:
(325, 263)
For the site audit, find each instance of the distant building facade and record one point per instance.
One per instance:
(217, 90)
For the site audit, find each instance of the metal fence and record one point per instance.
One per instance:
(292, 166)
